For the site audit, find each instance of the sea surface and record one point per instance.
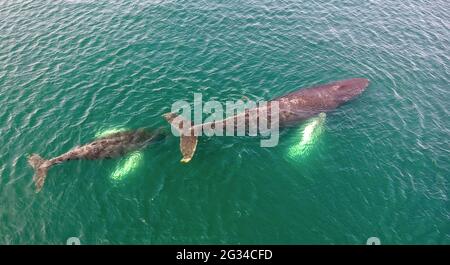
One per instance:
(378, 166)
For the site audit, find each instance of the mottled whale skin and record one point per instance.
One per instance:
(305, 103)
(293, 108)
(110, 146)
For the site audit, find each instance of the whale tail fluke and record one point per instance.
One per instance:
(188, 140)
(188, 145)
(40, 167)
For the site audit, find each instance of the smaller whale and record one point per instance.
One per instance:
(109, 146)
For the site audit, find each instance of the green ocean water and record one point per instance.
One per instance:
(379, 167)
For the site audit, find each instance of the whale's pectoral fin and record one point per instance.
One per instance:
(188, 140)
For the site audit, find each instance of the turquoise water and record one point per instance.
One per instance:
(380, 166)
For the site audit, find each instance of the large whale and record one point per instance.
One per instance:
(292, 108)
(109, 146)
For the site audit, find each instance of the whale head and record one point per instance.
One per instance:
(346, 90)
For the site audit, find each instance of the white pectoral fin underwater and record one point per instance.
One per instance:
(307, 136)
(127, 165)
(109, 131)
(109, 145)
